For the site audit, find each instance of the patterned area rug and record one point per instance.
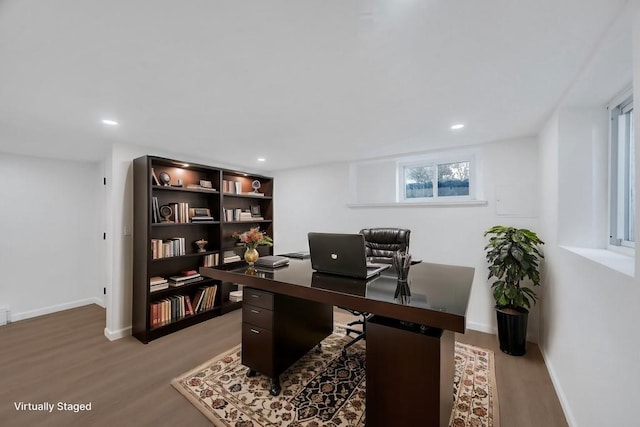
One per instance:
(325, 389)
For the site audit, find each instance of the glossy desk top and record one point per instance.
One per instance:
(437, 295)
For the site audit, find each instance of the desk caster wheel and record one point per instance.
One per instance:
(275, 386)
(251, 373)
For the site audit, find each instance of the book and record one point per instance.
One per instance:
(155, 280)
(189, 308)
(183, 278)
(202, 219)
(154, 177)
(175, 284)
(189, 272)
(229, 259)
(159, 287)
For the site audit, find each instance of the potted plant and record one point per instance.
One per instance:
(513, 256)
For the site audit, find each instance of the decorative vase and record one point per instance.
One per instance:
(251, 256)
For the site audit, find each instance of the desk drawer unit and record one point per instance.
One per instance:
(258, 316)
(257, 331)
(258, 298)
(279, 329)
(257, 348)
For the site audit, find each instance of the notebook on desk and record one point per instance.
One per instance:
(341, 254)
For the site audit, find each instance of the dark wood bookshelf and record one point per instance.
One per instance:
(218, 233)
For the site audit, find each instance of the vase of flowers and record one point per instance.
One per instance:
(251, 240)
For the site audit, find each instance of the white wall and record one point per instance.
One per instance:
(316, 199)
(49, 251)
(588, 313)
(588, 326)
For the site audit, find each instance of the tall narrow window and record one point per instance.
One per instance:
(623, 207)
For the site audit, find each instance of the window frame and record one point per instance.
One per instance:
(621, 180)
(435, 161)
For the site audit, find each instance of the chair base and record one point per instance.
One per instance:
(361, 334)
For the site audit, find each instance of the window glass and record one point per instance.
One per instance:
(432, 179)
(623, 206)
(418, 181)
(453, 179)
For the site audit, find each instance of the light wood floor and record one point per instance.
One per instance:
(64, 357)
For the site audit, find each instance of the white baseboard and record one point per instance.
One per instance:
(15, 317)
(481, 327)
(116, 335)
(559, 391)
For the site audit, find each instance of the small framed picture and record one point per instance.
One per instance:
(205, 184)
(255, 211)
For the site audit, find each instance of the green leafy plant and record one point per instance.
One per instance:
(513, 256)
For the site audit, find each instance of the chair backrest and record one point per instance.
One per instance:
(383, 242)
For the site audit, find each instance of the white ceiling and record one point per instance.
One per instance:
(296, 82)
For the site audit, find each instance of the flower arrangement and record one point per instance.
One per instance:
(253, 238)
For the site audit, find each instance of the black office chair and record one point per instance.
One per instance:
(380, 245)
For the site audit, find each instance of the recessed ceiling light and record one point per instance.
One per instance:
(185, 165)
(262, 159)
(110, 122)
(457, 126)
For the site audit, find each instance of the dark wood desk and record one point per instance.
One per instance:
(410, 338)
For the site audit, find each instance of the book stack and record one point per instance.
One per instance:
(200, 215)
(199, 187)
(210, 260)
(185, 278)
(245, 216)
(254, 193)
(158, 283)
(230, 256)
(235, 296)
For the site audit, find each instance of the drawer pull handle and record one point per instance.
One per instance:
(255, 296)
(254, 331)
(255, 311)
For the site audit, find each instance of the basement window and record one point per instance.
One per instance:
(433, 180)
(622, 175)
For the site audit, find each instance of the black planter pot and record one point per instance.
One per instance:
(512, 330)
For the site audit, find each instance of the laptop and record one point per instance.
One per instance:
(342, 254)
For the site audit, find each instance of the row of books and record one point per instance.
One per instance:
(167, 248)
(211, 260)
(172, 309)
(180, 212)
(237, 214)
(233, 187)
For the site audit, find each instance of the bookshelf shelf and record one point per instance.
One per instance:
(153, 203)
(184, 189)
(246, 196)
(190, 320)
(180, 224)
(247, 222)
